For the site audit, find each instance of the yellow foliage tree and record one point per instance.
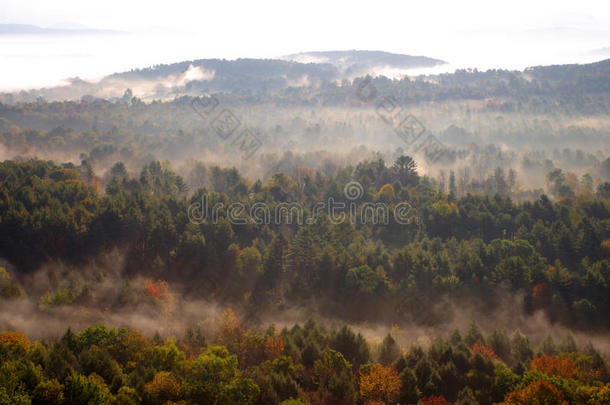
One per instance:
(379, 383)
(231, 331)
(164, 386)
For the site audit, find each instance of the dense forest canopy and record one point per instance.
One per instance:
(185, 225)
(295, 366)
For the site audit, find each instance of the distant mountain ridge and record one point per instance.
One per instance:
(354, 59)
(239, 69)
(255, 78)
(220, 75)
(323, 65)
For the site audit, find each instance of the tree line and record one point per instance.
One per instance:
(300, 365)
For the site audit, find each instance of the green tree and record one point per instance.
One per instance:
(48, 393)
(214, 378)
(81, 390)
(389, 350)
(405, 169)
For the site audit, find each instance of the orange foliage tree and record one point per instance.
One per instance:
(554, 366)
(484, 351)
(274, 345)
(379, 383)
(539, 392)
(14, 341)
(231, 331)
(164, 386)
(434, 400)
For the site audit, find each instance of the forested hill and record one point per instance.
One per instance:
(573, 73)
(221, 75)
(238, 74)
(360, 62)
(585, 87)
(333, 65)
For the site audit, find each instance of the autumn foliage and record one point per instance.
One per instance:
(540, 290)
(156, 289)
(540, 392)
(231, 330)
(296, 365)
(434, 400)
(379, 383)
(554, 366)
(274, 345)
(14, 340)
(164, 386)
(484, 351)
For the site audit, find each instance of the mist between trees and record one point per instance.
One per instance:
(104, 218)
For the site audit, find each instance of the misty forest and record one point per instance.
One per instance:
(167, 237)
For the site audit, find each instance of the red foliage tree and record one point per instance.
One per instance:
(484, 351)
(434, 400)
(540, 290)
(554, 366)
(156, 289)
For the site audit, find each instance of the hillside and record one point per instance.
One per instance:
(359, 63)
(220, 75)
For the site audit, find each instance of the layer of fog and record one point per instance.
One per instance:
(329, 138)
(46, 61)
(105, 282)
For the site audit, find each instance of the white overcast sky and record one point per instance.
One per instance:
(476, 32)
(271, 27)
